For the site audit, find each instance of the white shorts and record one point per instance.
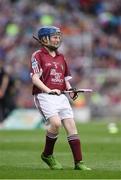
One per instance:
(51, 105)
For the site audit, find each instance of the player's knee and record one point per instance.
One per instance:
(57, 125)
(54, 127)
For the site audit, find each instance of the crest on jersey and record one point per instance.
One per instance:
(35, 65)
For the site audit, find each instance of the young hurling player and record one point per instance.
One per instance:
(50, 74)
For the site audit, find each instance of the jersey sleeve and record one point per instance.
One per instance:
(35, 65)
(67, 72)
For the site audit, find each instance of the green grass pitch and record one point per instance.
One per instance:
(20, 154)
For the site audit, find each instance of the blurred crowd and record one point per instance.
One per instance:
(91, 43)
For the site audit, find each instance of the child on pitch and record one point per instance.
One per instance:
(50, 75)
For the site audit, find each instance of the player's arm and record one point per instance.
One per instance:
(68, 85)
(73, 95)
(36, 73)
(38, 83)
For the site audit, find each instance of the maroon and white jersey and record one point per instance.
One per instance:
(53, 71)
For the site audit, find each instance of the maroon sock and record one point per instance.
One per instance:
(75, 145)
(49, 144)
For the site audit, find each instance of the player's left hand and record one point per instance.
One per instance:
(73, 95)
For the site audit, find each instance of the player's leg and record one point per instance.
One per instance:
(74, 142)
(52, 134)
(51, 137)
(48, 109)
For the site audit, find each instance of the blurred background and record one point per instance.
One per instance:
(92, 47)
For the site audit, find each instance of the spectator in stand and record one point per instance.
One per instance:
(6, 93)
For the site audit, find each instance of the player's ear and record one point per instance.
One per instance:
(45, 40)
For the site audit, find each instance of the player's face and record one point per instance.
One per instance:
(55, 40)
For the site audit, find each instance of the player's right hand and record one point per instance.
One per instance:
(55, 92)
